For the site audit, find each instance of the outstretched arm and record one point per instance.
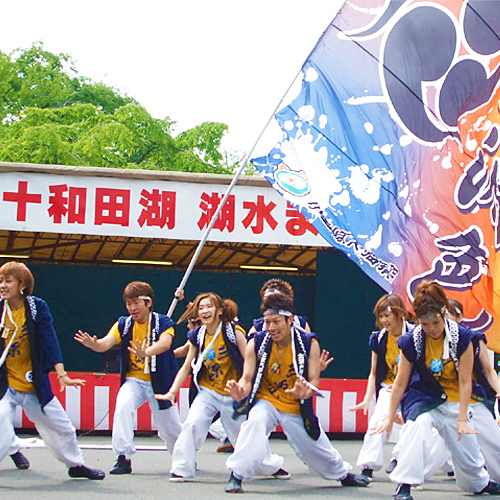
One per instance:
(63, 378)
(465, 387)
(488, 369)
(180, 378)
(370, 388)
(241, 389)
(398, 390)
(301, 388)
(92, 342)
(163, 344)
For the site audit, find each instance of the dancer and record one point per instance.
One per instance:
(285, 362)
(391, 317)
(276, 285)
(215, 356)
(147, 366)
(29, 349)
(434, 387)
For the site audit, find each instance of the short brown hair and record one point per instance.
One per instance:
(277, 285)
(393, 302)
(277, 301)
(430, 300)
(137, 288)
(19, 271)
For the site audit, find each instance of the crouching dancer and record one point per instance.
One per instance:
(285, 360)
(29, 349)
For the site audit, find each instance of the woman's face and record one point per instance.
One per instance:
(433, 327)
(208, 313)
(390, 322)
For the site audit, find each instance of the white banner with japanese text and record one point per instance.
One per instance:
(130, 207)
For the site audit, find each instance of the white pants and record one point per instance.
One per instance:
(438, 456)
(252, 445)
(371, 455)
(488, 438)
(52, 423)
(133, 394)
(217, 430)
(15, 445)
(417, 440)
(206, 405)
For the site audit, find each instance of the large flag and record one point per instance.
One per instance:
(391, 146)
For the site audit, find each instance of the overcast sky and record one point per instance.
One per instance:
(191, 60)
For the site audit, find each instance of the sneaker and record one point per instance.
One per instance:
(174, 478)
(492, 488)
(227, 447)
(392, 465)
(368, 473)
(282, 474)
(20, 460)
(403, 492)
(123, 465)
(234, 485)
(450, 473)
(355, 480)
(86, 472)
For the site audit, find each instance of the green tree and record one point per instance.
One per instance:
(50, 115)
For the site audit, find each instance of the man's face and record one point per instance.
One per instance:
(278, 326)
(138, 309)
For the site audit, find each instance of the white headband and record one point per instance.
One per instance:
(278, 311)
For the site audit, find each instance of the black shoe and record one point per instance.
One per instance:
(368, 473)
(174, 478)
(234, 485)
(492, 489)
(123, 465)
(355, 480)
(282, 474)
(403, 492)
(86, 472)
(392, 465)
(451, 473)
(20, 460)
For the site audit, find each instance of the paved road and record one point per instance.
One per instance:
(47, 478)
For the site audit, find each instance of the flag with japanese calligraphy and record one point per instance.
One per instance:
(390, 146)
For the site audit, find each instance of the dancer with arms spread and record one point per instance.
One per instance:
(281, 363)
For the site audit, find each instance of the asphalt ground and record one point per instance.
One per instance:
(47, 478)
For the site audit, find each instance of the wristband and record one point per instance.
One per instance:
(61, 375)
(462, 420)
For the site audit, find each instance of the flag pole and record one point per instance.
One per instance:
(202, 242)
(237, 174)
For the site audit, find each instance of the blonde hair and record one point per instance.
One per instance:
(228, 306)
(392, 302)
(22, 274)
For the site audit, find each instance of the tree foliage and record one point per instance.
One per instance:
(50, 115)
